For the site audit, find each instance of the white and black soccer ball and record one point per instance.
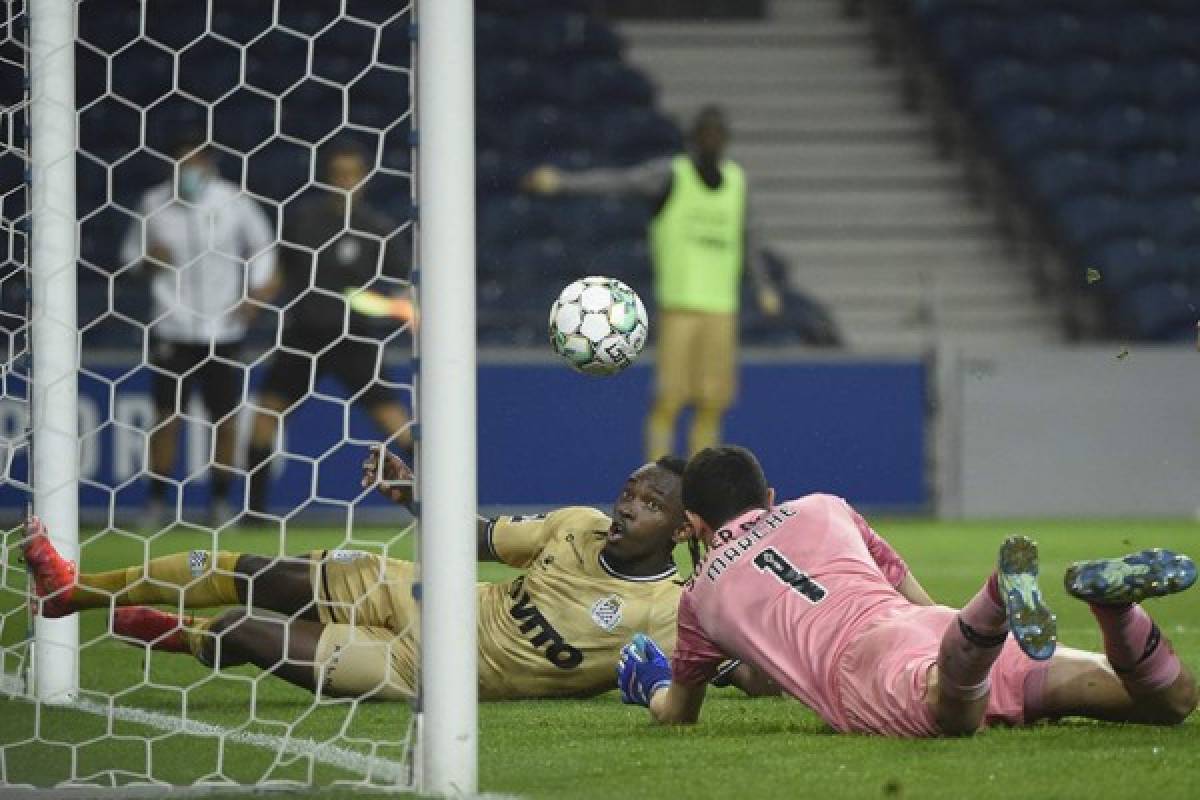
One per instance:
(598, 325)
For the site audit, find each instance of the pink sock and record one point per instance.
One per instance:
(1141, 656)
(971, 644)
(984, 613)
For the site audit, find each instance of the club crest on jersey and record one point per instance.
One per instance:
(606, 612)
(198, 562)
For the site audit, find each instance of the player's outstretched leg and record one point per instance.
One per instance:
(1139, 654)
(1010, 599)
(1032, 624)
(198, 579)
(159, 629)
(286, 648)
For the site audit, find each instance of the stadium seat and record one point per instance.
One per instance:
(608, 83)
(631, 135)
(1125, 264)
(1174, 83)
(1158, 172)
(1064, 174)
(517, 83)
(598, 221)
(506, 219)
(998, 85)
(567, 36)
(1159, 310)
(1092, 82)
(1123, 128)
(1056, 36)
(142, 73)
(1092, 219)
(1029, 131)
(243, 120)
(276, 61)
(1177, 218)
(544, 128)
(210, 69)
(964, 38)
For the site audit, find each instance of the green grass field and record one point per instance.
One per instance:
(599, 748)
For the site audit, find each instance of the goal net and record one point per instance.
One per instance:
(208, 302)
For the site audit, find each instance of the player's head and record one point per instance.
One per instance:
(194, 156)
(721, 483)
(648, 515)
(710, 133)
(345, 165)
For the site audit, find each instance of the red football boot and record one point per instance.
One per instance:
(53, 575)
(159, 629)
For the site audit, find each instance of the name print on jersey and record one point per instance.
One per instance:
(728, 547)
(557, 652)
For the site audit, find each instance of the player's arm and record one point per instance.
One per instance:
(751, 680)
(677, 704)
(394, 479)
(644, 678)
(913, 591)
(649, 180)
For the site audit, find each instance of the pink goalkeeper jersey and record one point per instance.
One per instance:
(787, 590)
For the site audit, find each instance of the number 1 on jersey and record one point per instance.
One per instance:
(769, 560)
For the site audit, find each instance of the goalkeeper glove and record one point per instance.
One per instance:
(642, 670)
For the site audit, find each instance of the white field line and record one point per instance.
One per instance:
(373, 767)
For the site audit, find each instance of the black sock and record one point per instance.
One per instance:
(220, 483)
(260, 477)
(157, 490)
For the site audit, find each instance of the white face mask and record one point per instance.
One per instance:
(192, 181)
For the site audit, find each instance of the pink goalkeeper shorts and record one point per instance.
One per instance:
(884, 674)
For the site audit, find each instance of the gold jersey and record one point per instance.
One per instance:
(558, 629)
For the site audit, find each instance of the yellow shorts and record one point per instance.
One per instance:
(368, 647)
(697, 358)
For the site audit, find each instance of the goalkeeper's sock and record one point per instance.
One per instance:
(159, 629)
(1138, 652)
(260, 477)
(971, 644)
(162, 580)
(198, 640)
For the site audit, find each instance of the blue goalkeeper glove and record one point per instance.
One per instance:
(642, 670)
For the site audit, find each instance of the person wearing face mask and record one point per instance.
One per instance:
(346, 270)
(702, 236)
(208, 250)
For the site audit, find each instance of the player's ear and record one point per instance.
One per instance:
(770, 497)
(697, 528)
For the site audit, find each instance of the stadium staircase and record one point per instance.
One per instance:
(848, 185)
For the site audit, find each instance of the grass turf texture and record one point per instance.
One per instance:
(600, 749)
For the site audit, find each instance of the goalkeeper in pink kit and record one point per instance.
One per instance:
(822, 605)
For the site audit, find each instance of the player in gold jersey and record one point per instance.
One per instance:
(590, 582)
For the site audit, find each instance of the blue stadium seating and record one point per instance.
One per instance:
(1124, 264)
(1094, 108)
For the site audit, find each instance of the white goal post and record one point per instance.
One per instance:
(443, 737)
(54, 342)
(446, 382)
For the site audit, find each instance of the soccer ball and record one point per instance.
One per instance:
(598, 325)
